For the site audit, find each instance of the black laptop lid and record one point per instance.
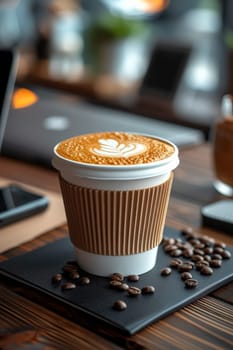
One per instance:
(7, 80)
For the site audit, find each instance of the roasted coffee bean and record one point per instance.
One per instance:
(166, 271)
(187, 231)
(200, 264)
(185, 267)
(220, 244)
(208, 250)
(175, 262)
(198, 251)
(188, 253)
(197, 257)
(169, 248)
(57, 278)
(119, 305)
(206, 270)
(218, 250)
(115, 283)
(215, 263)
(84, 280)
(200, 246)
(216, 256)
(191, 283)
(68, 286)
(168, 241)
(226, 254)
(185, 275)
(148, 290)
(69, 268)
(194, 242)
(74, 275)
(134, 291)
(118, 285)
(123, 286)
(208, 241)
(175, 253)
(207, 258)
(117, 276)
(133, 278)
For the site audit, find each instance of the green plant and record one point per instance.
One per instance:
(229, 39)
(115, 27)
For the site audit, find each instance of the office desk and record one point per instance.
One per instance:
(207, 323)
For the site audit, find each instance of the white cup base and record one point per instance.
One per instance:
(105, 265)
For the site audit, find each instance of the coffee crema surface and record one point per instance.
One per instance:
(114, 148)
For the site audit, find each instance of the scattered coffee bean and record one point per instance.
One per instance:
(208, 250)
(206, 270)
(187, 232)
(175, 262)
(134, 291)
(207, 258)
(84, 280)
(198, 251)
(218, 250)
(215, 263)
(123, 287)
(69, 268)
(220, 244)
(166, 271)
(191, 283)
(216, 256)
(188, 253)
(194, 242)
(133, 278)
(68, 286)
(200, 264)
(117, 276)
(148, 290)
(115, 283)
(176, 252)
(197, 257)
(119, 305)
(74, 275)
(169, 248)
(185, 267)
(57, 278)
(226, 254)
(186, 275)
(168, 241)
(118, 285)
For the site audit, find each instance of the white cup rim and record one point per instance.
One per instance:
(116, 172)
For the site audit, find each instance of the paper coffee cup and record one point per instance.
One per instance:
(116, 213)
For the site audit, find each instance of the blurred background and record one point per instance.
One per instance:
(168, 60)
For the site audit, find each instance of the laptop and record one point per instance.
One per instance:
(40, 117)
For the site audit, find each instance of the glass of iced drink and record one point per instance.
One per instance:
(223, 148)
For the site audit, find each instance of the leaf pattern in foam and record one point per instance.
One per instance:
(112, 148)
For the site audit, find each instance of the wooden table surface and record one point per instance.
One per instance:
(28, 323)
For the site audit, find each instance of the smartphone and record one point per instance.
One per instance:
(17, 203)
(219, 215)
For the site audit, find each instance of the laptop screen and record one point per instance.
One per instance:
(7, 80)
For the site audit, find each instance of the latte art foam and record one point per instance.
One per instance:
(114, 148)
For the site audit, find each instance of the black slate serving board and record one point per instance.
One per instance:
(94, 301)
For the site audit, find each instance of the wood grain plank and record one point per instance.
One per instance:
(205, 324)
(50, 328)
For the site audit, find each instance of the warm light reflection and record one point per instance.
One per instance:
(152, 5)
(23, 98)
